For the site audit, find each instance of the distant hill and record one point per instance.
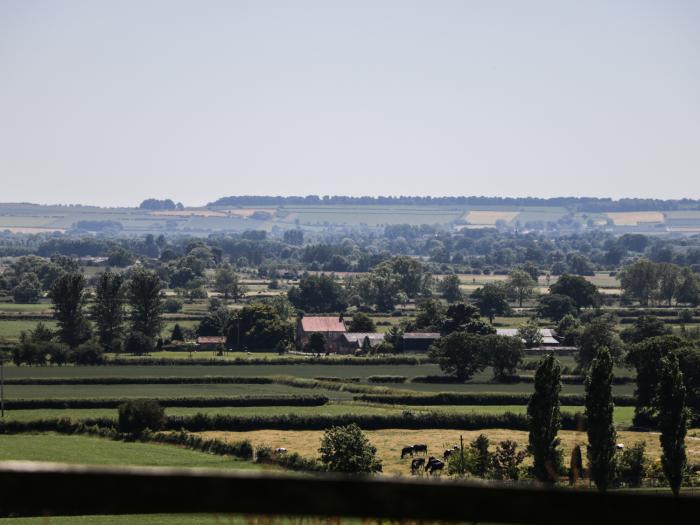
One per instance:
(574, 204)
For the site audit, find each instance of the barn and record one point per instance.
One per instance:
(331, 327)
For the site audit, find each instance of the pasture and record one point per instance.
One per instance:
(99, 451)
(389, 442)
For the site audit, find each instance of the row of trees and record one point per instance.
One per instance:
(544, 420)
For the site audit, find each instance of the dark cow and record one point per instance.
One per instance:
(407, 451)
(420, 448)
(416, 465)
(434, 465)
(446, 455)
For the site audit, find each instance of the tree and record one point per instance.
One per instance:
(569, 330)
(584, 294)
(395, 338)
(669, 281)
(108, 309)
(294, 237)
(645, 327)
(639, 280)
(459, 354)
(89, 353)
(544, 420)
(68, 296)
(483, 458)
(492, 300)
(138, 343)
(504, 354)
(227, 283)
(599, 333)
(521, 285)
(673, 421)
(361, 322)
(140, 414)
(177, 334)
(530, 333)
(599, 414)
(347, 449)
(688, 290)
(316, 344)
(449, 288)
(144, 295)
(507, 460)
(258, 327)
(318, 293)
(555, 307)
(28, 290)
(461, 317)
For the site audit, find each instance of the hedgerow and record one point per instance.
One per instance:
(233, 401)
(474, 398)
(386, 379)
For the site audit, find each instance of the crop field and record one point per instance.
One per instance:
(98, 451)
(633, 218)
(390, 441)
(135, 519)
(482, 217)
(154, 391)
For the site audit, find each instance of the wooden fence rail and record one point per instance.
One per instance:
(55, 489)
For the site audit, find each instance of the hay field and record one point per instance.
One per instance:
(633, 218)
(390, 441)
(488, 217)
(187, 213)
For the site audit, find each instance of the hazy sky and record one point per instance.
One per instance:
(111, 102)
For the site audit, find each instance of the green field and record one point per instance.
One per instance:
(98, 451)
(10, 329)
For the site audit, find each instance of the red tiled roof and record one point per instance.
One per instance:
(322, 324)
(211, 340)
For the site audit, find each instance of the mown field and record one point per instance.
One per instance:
(98, 451)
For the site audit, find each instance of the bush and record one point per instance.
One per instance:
(172, 305)
(632, 465)
(386, 379)
(473, 398)
(346, 449)
(140, 414)
(88, 353)
(138, 343)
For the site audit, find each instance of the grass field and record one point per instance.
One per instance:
(390, 441)
(98, 451)
(10, 329)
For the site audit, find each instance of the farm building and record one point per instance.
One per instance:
(548, 338)
(211, 342)
(331, 327)
(352, 341)
(419, 341)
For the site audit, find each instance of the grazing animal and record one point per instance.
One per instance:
(416, 465)
(420, 448)
(620, 446)
(434, 465)
(446, 455)
(407, 451)
(281, 450)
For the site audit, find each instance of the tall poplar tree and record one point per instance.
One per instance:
(599, 414)
(108, 310)
(673, 421)
(68, 296)
(544, 420)
(145, 302)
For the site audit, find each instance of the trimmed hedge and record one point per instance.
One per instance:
(290, 461)
(144, 380)
(437, 380)
(233, 401)
(386, 379)
(475, 398)
(349, 360)
(407, 420)
(335, 379)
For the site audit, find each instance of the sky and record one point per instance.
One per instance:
(109, 103)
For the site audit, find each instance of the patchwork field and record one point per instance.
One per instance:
(483, 217)
(633, 218)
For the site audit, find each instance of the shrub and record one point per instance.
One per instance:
(138, 343)
(88, 353)
(139, 414)
(346, 449)
(172, 305)
(386, 379)
(632, 465)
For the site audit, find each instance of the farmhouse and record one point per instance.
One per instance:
(211, 342)
(548, 338)
(331, 327)
(352, 341)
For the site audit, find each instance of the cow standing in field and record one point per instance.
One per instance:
(434, 465)
(420, 448)
(416, 465)
(407, 451)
